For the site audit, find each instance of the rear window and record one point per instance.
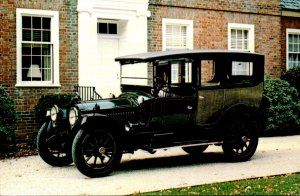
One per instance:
(242, 68)
(241, 73)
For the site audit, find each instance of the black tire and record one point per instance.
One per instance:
(52, 148)
(96, 153)
(241, 138)
(195, 150)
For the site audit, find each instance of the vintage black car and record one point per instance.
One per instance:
(189, 98)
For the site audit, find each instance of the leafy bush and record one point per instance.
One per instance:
(282, 110)
(47, 101)
(8, 118)
(8, 115)
(293, 77)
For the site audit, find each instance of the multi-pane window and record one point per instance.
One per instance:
(107, 28)
(293, 49)
(177, 34)
(37, 47)
(241, 37)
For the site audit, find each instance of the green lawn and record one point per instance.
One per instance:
(288, 184)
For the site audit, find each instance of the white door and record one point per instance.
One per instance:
(108, 70)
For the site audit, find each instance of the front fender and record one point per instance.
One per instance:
(91, 118)
(49, 126)
(61, 127)
(98, 121)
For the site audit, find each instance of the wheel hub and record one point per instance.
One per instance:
(244, 139)
(101, 150)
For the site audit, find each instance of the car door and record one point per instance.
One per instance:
(180, 100)
(178, 110)
(210, 105)
(211, 92)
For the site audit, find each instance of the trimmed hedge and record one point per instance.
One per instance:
(282, 110)
(47, 101)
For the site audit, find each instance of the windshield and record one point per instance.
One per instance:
(137, 74)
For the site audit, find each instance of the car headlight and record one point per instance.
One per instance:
(54, 113)
(73, 116)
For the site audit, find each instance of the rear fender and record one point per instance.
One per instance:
(236, 111)
(240, 108)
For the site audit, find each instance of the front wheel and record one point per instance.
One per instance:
(53, 148)
(241, 138)
(96, 153)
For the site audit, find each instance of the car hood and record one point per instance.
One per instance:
(105, 104)
(125, 100)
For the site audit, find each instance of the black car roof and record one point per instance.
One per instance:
(149, 56)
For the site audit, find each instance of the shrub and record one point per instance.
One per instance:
(282, 111)
(47, 101)
(8, 118)
(293, 77)
(8, 115)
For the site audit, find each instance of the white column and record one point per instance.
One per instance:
(87, 43)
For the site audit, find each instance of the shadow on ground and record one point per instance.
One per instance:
(171, 161)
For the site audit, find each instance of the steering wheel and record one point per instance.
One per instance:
(160, 85)
(159, 82)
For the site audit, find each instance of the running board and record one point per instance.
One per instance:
(180, 145)
(200, 144)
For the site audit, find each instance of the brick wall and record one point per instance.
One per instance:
(268, 7)
(26, 97)
(211, 20)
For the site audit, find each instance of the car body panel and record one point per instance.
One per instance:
(188, 100)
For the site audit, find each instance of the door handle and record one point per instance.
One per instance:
(189, 107)
(201, 97)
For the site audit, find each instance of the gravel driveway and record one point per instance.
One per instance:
(143, 172)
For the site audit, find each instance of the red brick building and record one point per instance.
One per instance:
(38, 53)
(39, 38)
(239, 25)
(290, 33)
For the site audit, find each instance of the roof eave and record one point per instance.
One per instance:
(290, 13)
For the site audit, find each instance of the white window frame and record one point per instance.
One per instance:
(107, 21)
(54, 41)
(288, 32)
(190, 32)
(239, 26)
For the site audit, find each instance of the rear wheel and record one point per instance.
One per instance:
(53, 148)
(194, 150)
(241, 138)
(96, 153)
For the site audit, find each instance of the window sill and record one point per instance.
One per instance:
(37, 84)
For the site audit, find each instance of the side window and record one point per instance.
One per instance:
(210, 76)
(181, 72)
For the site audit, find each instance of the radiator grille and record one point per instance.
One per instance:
(122, 116)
